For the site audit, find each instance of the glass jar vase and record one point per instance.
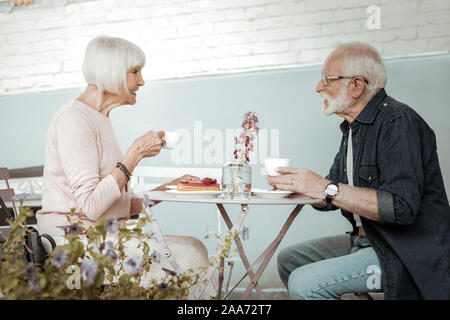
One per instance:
(237, 181)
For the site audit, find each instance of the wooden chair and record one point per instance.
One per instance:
(8, 192)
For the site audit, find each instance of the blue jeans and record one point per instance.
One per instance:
(326, 268)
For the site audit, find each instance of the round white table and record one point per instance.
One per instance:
(297, 200)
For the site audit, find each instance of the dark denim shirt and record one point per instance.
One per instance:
(394, 152)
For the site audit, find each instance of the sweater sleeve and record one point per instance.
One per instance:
(77, 147)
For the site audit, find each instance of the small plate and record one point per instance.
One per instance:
(271, 194)
(205, 193)
(173, 187)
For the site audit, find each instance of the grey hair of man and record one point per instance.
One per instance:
(361, 59)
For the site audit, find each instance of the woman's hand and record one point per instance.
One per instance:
(135, 206)
(149, 144)
(187, 177)
(302, 181)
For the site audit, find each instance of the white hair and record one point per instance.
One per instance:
(361, 59)
(107, 60)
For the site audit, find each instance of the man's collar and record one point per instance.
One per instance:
(368, 114)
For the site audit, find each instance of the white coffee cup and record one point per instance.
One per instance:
(172, 138)
(272, 164)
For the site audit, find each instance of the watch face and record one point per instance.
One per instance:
(331, 190)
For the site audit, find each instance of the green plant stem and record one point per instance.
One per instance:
(234, 181)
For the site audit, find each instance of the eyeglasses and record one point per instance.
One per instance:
(326, 78)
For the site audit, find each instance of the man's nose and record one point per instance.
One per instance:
(320, 86)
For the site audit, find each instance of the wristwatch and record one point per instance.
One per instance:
(331, 190)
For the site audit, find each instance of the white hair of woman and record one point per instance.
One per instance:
(361, 59)
(107, 60)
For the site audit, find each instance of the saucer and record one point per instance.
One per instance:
(271, 194)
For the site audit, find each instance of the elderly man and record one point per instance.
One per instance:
(386, 180)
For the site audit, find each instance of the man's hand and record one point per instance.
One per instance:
(302, 181)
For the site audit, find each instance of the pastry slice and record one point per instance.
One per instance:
(207, 184)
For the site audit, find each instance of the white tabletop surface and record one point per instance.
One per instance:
(254, 200)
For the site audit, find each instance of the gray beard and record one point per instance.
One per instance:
(339, 104)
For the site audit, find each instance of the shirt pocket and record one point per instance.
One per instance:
(369, 175)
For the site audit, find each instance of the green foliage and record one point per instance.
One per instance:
(57, 278)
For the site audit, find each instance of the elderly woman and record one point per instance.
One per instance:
(84, 166)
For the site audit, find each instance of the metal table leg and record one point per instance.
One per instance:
(268, 253)
(237, 240)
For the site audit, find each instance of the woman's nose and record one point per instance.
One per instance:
(141, 81)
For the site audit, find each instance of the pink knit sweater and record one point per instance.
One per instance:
(81, 152)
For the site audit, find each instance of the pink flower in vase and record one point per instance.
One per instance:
(244, 142)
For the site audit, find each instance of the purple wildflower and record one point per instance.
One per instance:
(133, 265)
(112, 255)
(71, 229)
(112, 224)
(59, 259)
(88, 271)
(163, 286)
(156, 257)
(109, 246)
(30, 274)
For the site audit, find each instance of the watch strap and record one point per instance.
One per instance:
(328, 198)
(329, 204)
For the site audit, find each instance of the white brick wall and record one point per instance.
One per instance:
(42, 45)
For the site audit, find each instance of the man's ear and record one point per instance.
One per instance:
(357, 87)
